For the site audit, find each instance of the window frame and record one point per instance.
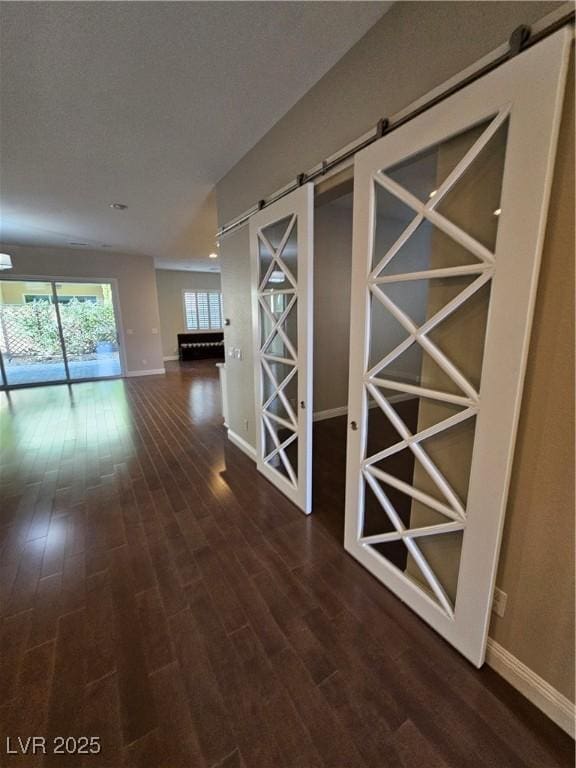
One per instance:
(83, 298)
(210, 329)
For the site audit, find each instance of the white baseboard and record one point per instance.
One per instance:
(244, 446)
(550, 701)
(150, 372)
(342, 410)
(330, 413)
(171, 357)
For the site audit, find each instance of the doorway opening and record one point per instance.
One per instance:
(332, 279)
(57, 332)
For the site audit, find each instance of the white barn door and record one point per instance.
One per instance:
(281, 244)
(449, 219)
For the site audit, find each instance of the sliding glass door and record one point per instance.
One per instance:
(57, 332)
(89, 330)
(29, 333)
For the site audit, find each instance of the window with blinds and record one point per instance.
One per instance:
(203, 310)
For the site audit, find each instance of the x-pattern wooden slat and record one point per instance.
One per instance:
(279, 447)
(284, 445)
(277, 325)
(269, 418)
(278, 391)
(280, 420)
(428, 210)
(277, 261)
(419, 333)
(455, 509)
(409, 543)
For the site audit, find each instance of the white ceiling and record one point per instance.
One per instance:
(148, 104)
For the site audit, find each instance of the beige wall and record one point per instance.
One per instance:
(136, 292)
(169, 284)
(236, 296)
(537, 561)
(332, 269)
(415, 47)
(332, 276)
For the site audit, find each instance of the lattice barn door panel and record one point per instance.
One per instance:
(449, 215)
(282, 259)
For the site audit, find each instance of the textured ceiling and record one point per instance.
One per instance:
(148, 104)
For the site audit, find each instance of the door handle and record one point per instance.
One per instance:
(353, 426)
(302, 404)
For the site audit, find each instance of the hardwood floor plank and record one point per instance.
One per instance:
(229, 609)
(46, 611)
(27, 577)
(181, 554)
(73, 583)
(175, 721)
(75, 530)
(155, 633)
(101, 627)
(328, 736)
(66, 708)
(27, 715)
(234, 681)
(412, 750)
(271, 637)
(232, 761)
(147, 752)
(311, 577)
(453, 713)
(302, 640)
(171, 590)
(14, 633)
(136, 703)
(209, 715)
(55, 547)
(276, 715)
(357, 656)
(102, 718)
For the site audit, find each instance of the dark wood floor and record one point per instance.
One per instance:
(159, 594)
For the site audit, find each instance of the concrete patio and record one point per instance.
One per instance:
(107, 364)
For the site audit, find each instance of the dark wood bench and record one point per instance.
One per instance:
(194, 346)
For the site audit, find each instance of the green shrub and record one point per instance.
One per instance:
(31, 329)
(87, 324)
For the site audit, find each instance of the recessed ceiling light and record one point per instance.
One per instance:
(118, 206)
(213, 256)
(433, 193)
(498, 211)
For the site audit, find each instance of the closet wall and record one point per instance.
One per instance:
(332, 279)
(332, 268)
